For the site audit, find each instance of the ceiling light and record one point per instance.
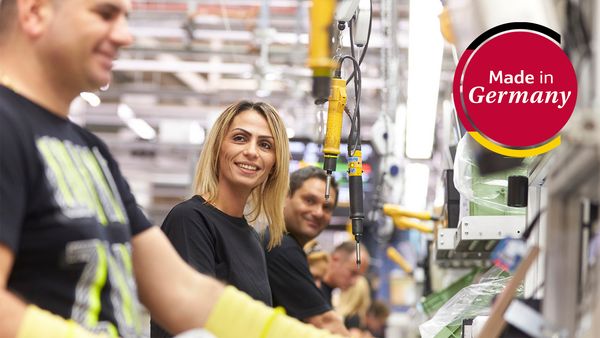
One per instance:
(196, 133)
(416, 186)
(290, 132)
(142, 128)
(139, 126)
(91, 98)
(125, 112)
(425, 52)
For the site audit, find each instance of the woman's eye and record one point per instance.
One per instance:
(238, 138)
(266, 145)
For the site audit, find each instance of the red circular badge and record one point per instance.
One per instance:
(515, 86)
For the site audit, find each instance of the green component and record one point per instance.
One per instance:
(493, 189)
(435, 301)
(450, 331)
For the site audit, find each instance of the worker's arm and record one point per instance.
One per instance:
(176, 295)
(329, 321)
(12, 309)
(180, 299)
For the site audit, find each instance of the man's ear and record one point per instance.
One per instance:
(335, 257)
(34, 16)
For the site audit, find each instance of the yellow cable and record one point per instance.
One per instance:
(397, 258)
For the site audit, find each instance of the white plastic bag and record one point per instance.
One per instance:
(473, 300)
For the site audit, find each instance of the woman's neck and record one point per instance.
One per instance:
(231, 202)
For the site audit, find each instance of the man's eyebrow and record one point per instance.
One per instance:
(316, 196)
(113, 8)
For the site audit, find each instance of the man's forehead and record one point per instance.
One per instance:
(316, 187)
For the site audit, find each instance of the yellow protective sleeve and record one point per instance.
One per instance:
(40, 323)
(237, 315)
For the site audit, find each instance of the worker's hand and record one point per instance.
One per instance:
(358, 333)
(237, 315)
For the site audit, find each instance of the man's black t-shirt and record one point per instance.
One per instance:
(68, 216)
(292, 284)
(218, 245)
(352, 321)
(326, 291)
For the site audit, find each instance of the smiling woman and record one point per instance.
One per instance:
(242, 175)
(266, 200)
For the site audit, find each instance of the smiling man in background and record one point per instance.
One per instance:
(307, 213)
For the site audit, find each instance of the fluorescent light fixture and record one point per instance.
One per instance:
(290, 132)
(91, 98)
(197, 133)
(425, 52)
(125, 112)
(142, 128)
(139, 126)
(416, 186)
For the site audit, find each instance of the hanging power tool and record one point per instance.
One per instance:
(319, 49)
(319, 59)
(331, 146)
(357, 214)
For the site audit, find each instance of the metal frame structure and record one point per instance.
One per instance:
(576, 179)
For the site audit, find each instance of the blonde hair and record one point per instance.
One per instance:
(356, 300)
(314, 253)
(267, 200)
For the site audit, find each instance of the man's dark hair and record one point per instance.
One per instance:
(298, 177)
